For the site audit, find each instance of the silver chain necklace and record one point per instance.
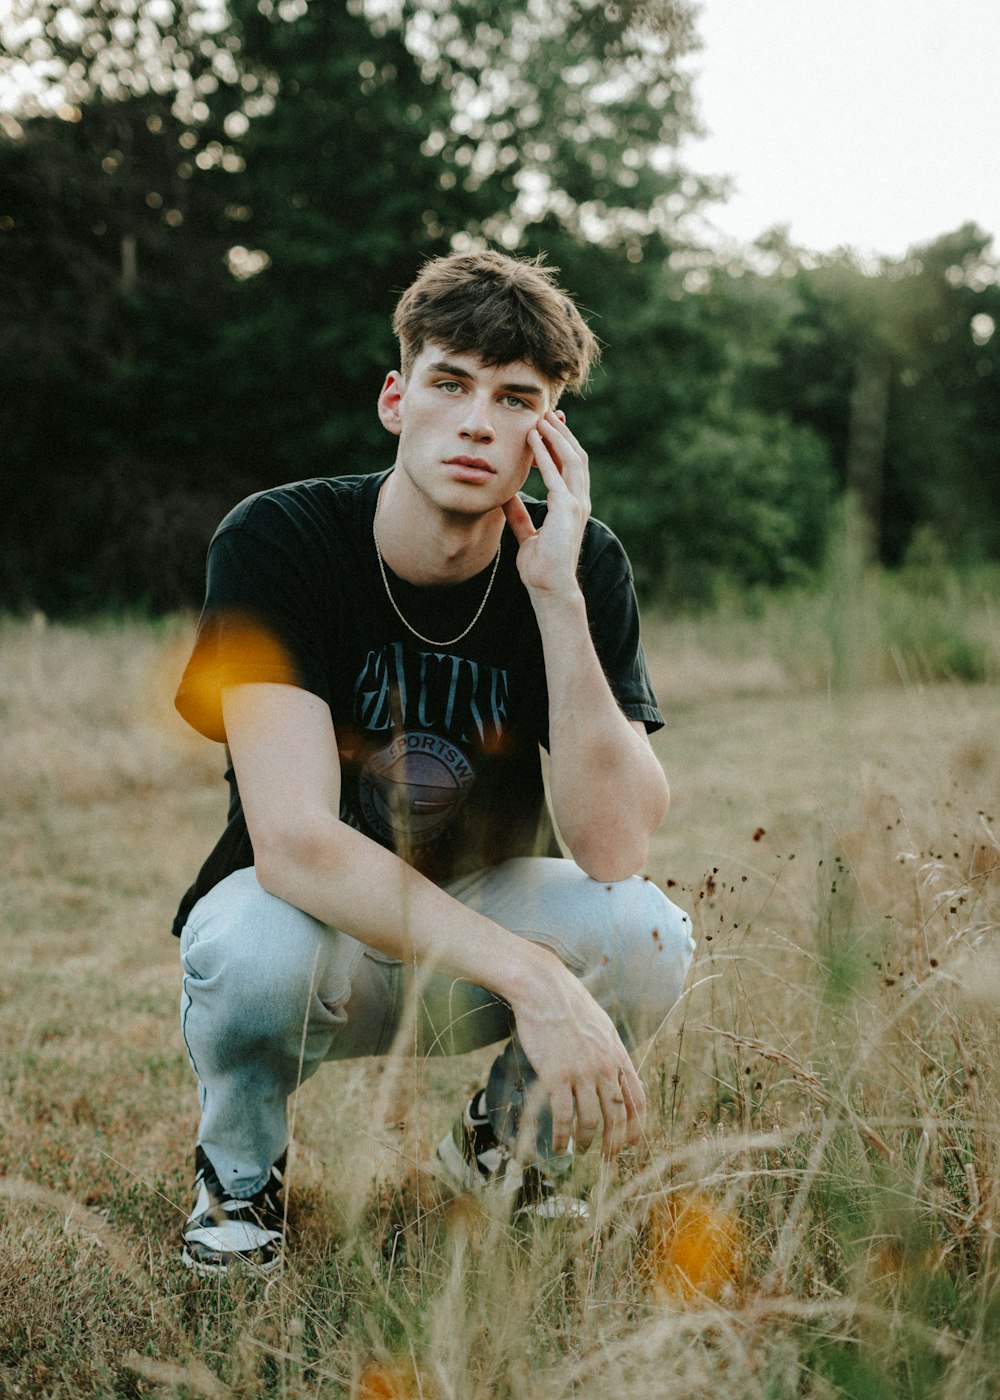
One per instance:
(408, 625)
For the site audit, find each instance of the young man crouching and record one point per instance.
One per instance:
(384, 655)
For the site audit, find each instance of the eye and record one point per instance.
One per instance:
(450, 386)
(512, 401)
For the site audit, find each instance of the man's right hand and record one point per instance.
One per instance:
(579, 1058)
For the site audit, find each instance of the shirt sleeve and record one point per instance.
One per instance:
(613, 614)
(262, 617)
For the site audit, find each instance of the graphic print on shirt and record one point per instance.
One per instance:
(434, 709)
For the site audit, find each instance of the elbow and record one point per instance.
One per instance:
(272, 867)
(286, 858)
(269, 869)
(611, 872)
(615, 850)
(609, 860)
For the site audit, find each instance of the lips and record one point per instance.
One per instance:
(478, 464)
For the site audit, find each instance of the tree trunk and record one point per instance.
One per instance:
(130, 264)
(866, 443)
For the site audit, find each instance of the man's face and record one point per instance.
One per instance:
(463, 427)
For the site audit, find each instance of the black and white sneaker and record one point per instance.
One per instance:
(223, 1230)
(475, 1160)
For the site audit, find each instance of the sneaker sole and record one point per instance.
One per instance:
(236, 1264)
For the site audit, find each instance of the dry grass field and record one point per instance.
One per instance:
(815, 1211)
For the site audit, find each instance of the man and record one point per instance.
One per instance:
(383, 656)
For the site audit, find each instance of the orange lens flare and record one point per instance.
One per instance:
(386, 1381)
(237, 650)
(696, 1247)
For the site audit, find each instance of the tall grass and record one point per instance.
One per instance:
(814, 1209)
(854, 627)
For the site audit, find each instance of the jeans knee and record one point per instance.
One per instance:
(652, 915)
(652, 952)
(252, 993)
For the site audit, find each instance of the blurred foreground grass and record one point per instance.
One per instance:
(814, 1212)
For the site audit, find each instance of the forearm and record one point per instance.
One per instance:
(609, 793)
(346, 880)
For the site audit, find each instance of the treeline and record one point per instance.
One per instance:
(205, 219)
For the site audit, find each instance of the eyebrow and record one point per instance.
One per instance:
(443, 367)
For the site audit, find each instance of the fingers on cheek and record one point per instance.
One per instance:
(538, 448)
(554, 432)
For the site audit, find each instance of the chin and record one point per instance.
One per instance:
(469, 499)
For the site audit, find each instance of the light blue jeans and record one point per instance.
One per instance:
(269, 993)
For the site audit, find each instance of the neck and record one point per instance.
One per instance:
(424, 545)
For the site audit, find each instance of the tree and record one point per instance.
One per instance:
(944, 427)
(566, 114)
(896, 367)
(340, 201)
(217, 219)
(113, 216)
(704, 484)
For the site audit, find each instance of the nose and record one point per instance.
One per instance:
(477, 423)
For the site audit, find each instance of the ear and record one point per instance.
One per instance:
(390, 402)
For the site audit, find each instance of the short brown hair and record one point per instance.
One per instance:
(500, 308)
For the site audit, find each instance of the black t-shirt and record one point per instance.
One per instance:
(439, 744)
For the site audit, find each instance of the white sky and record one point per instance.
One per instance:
(873, 123)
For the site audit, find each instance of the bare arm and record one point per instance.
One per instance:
(609, 793)
(285, 755)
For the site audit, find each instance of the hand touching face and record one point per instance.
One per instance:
(547, 557)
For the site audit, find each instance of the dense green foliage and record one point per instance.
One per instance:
(205, 219)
